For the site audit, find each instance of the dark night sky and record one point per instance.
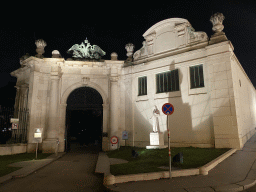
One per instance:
(111, 25)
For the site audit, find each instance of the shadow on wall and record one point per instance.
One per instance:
(191, 122)
(143, 111)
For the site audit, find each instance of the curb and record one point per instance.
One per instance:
(27, 171)
(111, 179)
(249, 181)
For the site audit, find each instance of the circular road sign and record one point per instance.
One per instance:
(168, 109)
(114, 140)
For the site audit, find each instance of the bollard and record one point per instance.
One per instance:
(57, 147)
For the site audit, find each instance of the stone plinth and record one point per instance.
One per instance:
(105, 144)
(156, 141)
(49, 146)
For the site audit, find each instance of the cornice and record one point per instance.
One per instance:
(18, 71)
(114, 62)
(186, 49)
(221, 44)
(24, 62)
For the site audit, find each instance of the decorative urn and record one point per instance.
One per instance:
(40, 44)
(217, 20)
(129, 48)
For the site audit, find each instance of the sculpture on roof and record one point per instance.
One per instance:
(168, 35)
(86, 51)
(217, 20)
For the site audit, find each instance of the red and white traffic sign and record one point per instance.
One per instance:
(114, 140)
(168, 109)
(15, 126)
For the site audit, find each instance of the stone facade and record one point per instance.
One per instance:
(220, 114)
(51, 80)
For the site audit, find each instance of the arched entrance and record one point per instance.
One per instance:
(84, 119)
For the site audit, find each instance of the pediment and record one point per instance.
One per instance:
(167, 23)
(167, 35)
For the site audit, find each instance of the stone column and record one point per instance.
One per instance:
(23, 115)
(105, 117)
(16, 109)
(52, 131)
(105, 140)
(114, 108)
(62, 127)
(17, 100)
(24, 96)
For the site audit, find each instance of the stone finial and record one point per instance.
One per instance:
(56, 54)
(129, 48)
(40, 44)
(217, 20)
(114, 56)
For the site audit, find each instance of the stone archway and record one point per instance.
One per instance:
(83, 119)
(63, 107)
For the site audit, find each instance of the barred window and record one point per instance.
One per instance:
(167, 81)
(142, 86)
(196, 76)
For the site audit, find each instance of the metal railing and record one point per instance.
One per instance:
(20, 135)
(6, 113)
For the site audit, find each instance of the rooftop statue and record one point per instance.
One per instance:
(86, 51)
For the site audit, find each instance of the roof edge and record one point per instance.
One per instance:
(164, 22)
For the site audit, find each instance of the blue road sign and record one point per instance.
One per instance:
(168, 109)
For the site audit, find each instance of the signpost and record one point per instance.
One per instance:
(168, 109)
(37, 137)
(125, 136)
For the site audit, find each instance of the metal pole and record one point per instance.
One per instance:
(36, 149)
(170, 157)
(56, 147)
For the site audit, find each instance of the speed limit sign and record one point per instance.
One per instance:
(114, 140)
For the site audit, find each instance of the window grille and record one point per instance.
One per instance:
(167, 81)
(142, 86)
(196, 77)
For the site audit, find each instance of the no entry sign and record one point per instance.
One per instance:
(114, 140)
(168, 109)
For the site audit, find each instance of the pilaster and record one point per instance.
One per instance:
(114, 104)
(222, 96)
(62, 127)
(52, 131)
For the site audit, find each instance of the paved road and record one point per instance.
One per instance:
(252, 189)
(73, 172)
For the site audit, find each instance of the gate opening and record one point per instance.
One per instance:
(84, 120)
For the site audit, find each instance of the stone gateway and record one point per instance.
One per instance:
(213, 97)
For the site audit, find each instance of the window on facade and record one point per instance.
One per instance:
(196, 76)
(167, 81)
(142, 86)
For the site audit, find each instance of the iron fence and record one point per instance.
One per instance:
(9, 135)
(6, 113)
(20, 135)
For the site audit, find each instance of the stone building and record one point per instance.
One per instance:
(201, 77)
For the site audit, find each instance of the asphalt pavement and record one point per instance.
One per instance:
(75, 171)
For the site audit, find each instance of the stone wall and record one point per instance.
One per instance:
(245, 102)
(11, 149)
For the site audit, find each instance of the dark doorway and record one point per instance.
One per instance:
(84, 120)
